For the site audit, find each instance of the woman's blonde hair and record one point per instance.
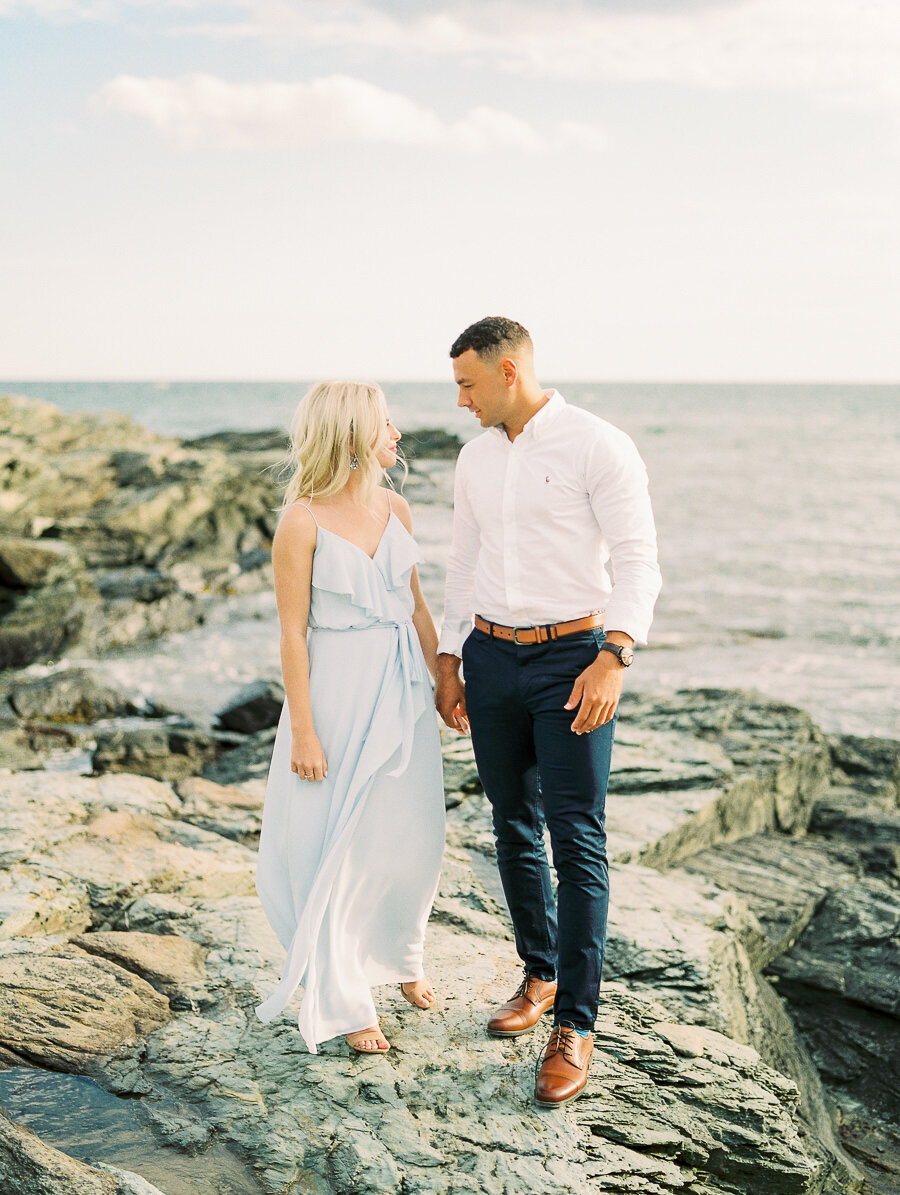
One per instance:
(335, 423)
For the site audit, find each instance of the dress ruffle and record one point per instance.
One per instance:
(337, 570)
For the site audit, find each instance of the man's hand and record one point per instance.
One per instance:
(450, 693)
(598, 688)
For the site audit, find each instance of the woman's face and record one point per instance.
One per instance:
(385, 447)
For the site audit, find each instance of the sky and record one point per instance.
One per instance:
(658, 189)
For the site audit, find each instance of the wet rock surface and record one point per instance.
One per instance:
(700, 1081)
(28, 1164)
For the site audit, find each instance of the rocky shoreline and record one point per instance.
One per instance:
(748, 1039)
(133, 950)
(111, 534)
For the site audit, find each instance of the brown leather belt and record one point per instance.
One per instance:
(528, 635)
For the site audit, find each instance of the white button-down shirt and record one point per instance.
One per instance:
(536, 521)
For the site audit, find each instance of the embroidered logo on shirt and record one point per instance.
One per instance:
(547, 478)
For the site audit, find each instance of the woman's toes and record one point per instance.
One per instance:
(368, 1041)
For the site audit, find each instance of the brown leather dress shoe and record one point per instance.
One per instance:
(564, 1069)
(522, 1011)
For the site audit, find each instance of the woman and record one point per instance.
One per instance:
(353, 823)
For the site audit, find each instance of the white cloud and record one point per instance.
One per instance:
(51, 10)
(204, 110)
(836, 51)
(843, 51)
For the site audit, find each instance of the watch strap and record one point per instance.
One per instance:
(617, 650)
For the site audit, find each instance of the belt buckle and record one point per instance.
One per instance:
(515, 632)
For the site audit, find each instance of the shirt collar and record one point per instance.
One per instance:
(540, 421)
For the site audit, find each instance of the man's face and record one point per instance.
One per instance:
(482, 388)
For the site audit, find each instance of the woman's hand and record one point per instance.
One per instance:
(307, 757)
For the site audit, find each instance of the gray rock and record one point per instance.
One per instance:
(760, 765)
(29, 1166)
(135, 507)
(171, 964)
(272, 440)
(30, 564)
(868, 759)
(42, 622)
(128, 1182)
(857, 1053)
(249, 761)
(20, 750)
(829, 934)
(135, 584)
(430, 442)
(232, 812)
(165, 752)
(851, 947)
(77, 851)
(681, 1098)
(74, 695)
(869, 828)
(256, 707)
(782, 880)
(67, 1010)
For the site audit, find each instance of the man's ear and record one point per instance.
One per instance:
(510, 370)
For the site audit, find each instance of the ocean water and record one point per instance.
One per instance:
(776, 508)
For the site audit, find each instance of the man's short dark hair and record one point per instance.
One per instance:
(491, 338)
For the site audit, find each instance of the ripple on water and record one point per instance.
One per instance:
(77, 1116)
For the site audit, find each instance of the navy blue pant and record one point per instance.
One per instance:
(535, 769)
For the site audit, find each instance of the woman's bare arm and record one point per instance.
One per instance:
(292, 559)
(422, 620)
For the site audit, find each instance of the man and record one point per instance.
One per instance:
(542, 500)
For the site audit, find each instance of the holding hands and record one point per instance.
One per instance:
(450, 694)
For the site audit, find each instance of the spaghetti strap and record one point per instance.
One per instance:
(390, 508)
(307, 508)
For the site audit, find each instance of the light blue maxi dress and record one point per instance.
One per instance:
(348, 868)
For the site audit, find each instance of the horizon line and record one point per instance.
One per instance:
(163, 382)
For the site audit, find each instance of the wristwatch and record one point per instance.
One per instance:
(625, 654)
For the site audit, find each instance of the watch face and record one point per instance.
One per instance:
(626, 655)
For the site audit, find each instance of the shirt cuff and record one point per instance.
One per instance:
(453, 636)
(619, 617)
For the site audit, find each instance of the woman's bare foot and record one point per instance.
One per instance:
(420, 993)
(368, 1041)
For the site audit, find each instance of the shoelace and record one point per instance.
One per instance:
(562, 1041)
(522, 989)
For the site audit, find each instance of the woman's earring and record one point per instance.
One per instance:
(354, 462)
